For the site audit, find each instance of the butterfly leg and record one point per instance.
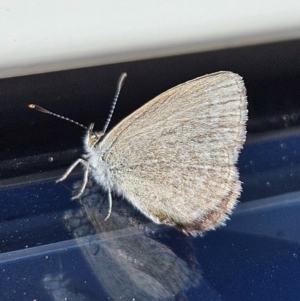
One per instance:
(65, 175)
(85, 180)
(109, 204)
(85, 177)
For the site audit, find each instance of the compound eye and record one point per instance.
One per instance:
(94, 138)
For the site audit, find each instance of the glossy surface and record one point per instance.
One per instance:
(255, 257)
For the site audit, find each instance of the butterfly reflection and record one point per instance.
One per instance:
(131, 257)
(60, 288)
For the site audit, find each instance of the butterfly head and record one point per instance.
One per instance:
(92, 138)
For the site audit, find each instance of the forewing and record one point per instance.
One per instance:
(174, 158)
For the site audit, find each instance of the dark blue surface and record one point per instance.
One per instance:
(256, 257)
(250, 267)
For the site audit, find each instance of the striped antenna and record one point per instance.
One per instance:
(41, 109)
(119, 86)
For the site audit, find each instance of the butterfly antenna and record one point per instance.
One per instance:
(119, 86)
(41, 109)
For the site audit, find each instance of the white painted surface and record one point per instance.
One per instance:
(41, 36)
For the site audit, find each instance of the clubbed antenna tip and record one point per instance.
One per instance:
(38, 108)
